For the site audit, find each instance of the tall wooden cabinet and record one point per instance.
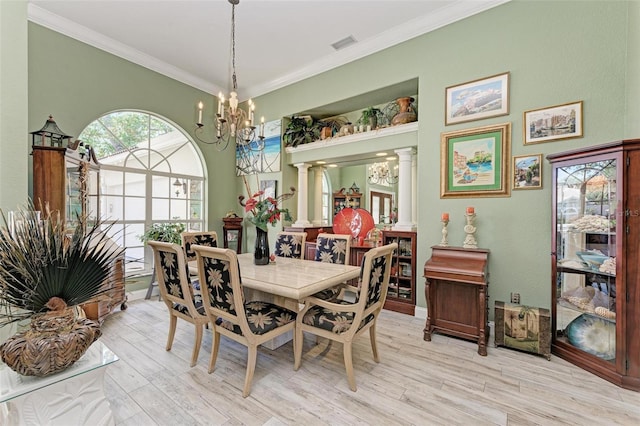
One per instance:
(401, 296)
(595, 283)
(66, 179)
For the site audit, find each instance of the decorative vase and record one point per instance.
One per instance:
(406, 114)
(55, 341)
(261, 253)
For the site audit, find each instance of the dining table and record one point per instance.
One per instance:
(286, 281)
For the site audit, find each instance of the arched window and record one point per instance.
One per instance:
(327, 207)
(150, 172)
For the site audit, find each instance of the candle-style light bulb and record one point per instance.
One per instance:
(262, 127)
(200, 107)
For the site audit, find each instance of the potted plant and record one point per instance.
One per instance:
(165, 232)
(46, 270)
(370, 117)
(301, 130)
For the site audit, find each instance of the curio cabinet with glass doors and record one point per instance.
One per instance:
(595, 260)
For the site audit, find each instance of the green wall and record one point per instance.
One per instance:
(13, 104)
(556, 52)
(77, 83)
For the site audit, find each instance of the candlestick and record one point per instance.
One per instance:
(470, 230)
(445, 232)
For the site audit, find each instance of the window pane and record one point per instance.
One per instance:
(133, 233)
(178, 209)
(111, 182)
(112, 207)
(160, 209)
(160, 186)
(134, 184)
(134, 208)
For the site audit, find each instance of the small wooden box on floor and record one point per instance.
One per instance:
(456, 289)
(523, 328)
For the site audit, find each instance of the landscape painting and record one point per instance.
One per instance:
(527, 171)
(475, 162)
(553, 123)
(478, 99)
(267, 160)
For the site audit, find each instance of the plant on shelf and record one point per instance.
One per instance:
(46, 270)
(370, 117)
(301, 130)
(165, 232)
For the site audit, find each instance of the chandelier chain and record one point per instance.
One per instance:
(233, 125)
(234, 80)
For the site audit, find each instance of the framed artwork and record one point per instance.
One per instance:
(475, 162)
(527, 171)
(553, 123)
(269, 187)
(250, 157)
(478, 99)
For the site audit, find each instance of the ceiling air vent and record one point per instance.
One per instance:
(341, 44)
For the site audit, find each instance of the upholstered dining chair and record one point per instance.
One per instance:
(342, 321)
(332, 248)
(182, 298)
(202, 238)
(290, 244)
(249, 323)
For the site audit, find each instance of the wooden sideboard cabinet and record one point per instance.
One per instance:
(456, 289)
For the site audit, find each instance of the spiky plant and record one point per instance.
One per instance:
(41, 260)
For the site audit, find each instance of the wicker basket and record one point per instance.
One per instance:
(54, 342)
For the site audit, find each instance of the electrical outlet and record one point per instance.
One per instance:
(515, 298)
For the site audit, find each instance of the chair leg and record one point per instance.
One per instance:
(298, 339)
(374, 346)
(215, 344)
(172, 330)
(196, 346)
(348, 364)
(252, 356)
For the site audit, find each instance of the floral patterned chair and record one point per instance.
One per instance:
(183, 299)
(342, 321)
(332, 248)
(249, 323)
(291, 244)
(202, 238)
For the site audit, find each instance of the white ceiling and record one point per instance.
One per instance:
(278, 42)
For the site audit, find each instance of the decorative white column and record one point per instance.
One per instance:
(317, 196)
(405, 190)
(303, 195)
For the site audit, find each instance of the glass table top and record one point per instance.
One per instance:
(13, 385)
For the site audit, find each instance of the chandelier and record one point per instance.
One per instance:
(380, 173)
(231, 123)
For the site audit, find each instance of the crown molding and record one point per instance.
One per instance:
(421, 25)
(81, 33)
(456, 11)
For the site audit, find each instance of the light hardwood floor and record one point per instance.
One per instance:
(442, 382)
